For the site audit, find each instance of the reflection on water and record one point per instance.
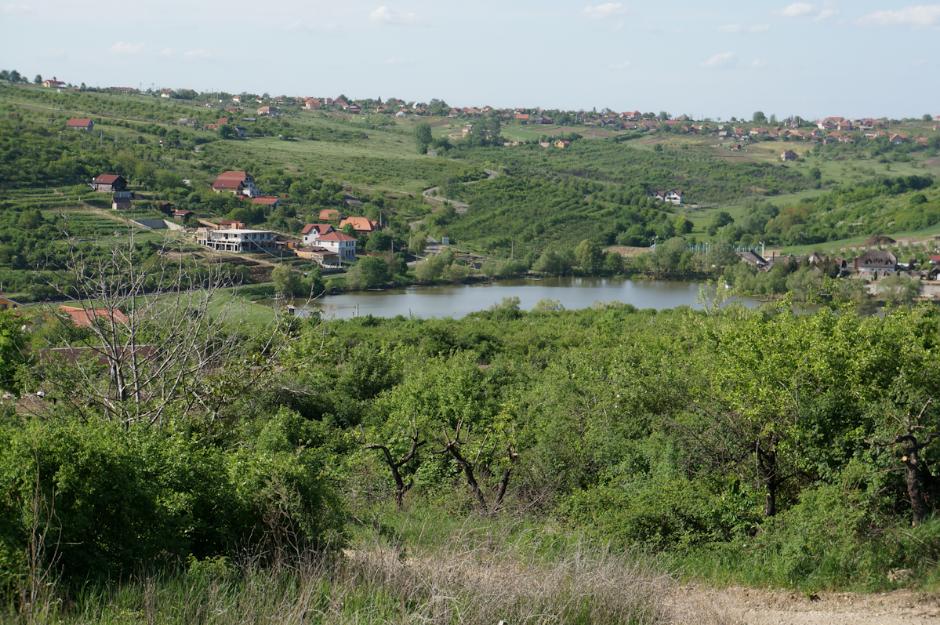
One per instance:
(459, 300)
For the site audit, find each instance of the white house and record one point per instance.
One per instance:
(312, 232)
(235, 239)
(340, 244)
(673, 197)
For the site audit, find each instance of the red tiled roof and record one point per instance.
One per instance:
(359, 224)
(329, 214)
(267, 200)
(84, 317)
(106, 178)
(320, 228)
(79, 122)
(230, 180)
(337, 236)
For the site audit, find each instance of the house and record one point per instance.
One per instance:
(754, 259)
(7, 304)
(561, 144)
(329, 214)
(311, 233)
(235, 182)
(359, 224)
(236, 239)
(166, 93)
(521, 117)
(935, 260)
(789, 155)
(80, 123)
(53, 83)
(341, 244)
(181, 213)
(672, 197)
(320, 255)
(312, 104)
(120, 203)
(86, 317)
(108, 183)
(354, 109)
(271, 201)
(268, 111)
(876, 263)
(222, 224)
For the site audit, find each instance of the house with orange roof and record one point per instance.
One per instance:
(329, 214)
(360, 224)
(270, 201)
(86, 317)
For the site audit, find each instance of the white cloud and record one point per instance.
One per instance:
(15, 9)
(758, 63)
(745, 28)
(385, 15)
(825, 14)
(618, 67)
(718, 60)
(605, 9)
(167, 52)
(124, 47)
(798, 9)
(198, 53)
(918, 16)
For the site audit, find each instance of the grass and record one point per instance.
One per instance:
(472, 574)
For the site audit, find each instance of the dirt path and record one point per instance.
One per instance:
(693, 605)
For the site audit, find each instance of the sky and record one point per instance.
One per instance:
(701, 58)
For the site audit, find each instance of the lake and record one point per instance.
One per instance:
(462, 299)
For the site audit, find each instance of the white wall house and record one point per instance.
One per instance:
(235, 239)
(340, 244)
(312, 232)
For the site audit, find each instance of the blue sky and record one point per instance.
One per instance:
(821, 57)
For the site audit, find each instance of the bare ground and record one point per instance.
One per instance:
(692, 605)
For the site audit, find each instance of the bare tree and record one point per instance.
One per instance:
(155, 333)
(402, 485)
(923, 487)
(453, 446)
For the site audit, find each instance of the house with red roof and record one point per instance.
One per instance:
(340, 243)
(271, 201)
(108, 183)
(359, 224)
(236, 183)
(80, 123)
(86, 317)
(329, 214)
(311, 233)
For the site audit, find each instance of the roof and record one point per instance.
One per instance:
(329, 213)
(79, 122)
(877, 257)
(84, 317)
(337, 236)
(230, 180)
(241, 231)
(320, 228)
(359, 224)
(108, 178)
(267, 200)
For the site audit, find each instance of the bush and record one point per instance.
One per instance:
(117, 500)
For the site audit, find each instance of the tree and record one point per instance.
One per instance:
(720, 220)
(153, 342)
(759, 117)
(590, 257)
(12, 349)
(368, 273)
(38, 79)
(287, 282)
(423, 137)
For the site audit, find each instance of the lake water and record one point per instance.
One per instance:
(459, 300)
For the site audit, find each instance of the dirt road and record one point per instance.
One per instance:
(743, 606)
